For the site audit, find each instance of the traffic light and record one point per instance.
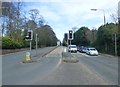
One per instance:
(29, 35)
(66, 36)
(70, 35)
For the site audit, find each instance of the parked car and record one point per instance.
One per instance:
(82, 49)
(92, 51)
(72, 48)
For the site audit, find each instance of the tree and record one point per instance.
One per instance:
(46, 36)
(93, 36)
(8, 13)
(105, 37)
(11, 13)
(36, 22)
(16, 25)
(82, 37)
(114, 16)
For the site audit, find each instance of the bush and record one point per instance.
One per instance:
(8, 43)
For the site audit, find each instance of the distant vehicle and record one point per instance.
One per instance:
(92, 51)
(72, 48)
(82, 49)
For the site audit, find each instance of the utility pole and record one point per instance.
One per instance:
(115, 45)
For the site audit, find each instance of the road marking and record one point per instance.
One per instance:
(81, 54)
(58, 63)
(84, 54)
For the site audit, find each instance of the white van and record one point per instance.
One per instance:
(72, 48)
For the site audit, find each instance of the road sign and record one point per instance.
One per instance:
(27, 56)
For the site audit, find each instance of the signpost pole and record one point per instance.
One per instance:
(36, 44)
(30, 47)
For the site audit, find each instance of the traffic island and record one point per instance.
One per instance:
(67, 60)
(28, 58)
(28, 61)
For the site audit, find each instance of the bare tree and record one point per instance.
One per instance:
(114, 16)
(34, 13)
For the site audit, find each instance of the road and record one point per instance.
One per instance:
(52, 70)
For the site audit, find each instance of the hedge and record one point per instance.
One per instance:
(8, 43)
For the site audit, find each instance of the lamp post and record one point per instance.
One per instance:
(104, 21)
(103, 13)
(105, 26)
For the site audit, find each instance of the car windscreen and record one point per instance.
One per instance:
(93, 49)
(73, 47)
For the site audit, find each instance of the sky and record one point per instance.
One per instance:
(63, 15)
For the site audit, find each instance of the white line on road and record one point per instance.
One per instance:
(83, 54)
(58, 63)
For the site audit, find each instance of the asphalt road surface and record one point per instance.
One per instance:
(52, 70)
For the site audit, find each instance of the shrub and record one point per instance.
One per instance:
(8, 43)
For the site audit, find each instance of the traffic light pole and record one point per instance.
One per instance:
(70, 45)
(67, 42)
(70, 50)
(30, 45)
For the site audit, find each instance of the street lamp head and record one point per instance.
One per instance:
(93, 9)
(103, 13)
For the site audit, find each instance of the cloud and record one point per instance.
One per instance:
(49, 15)
(62, 15)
